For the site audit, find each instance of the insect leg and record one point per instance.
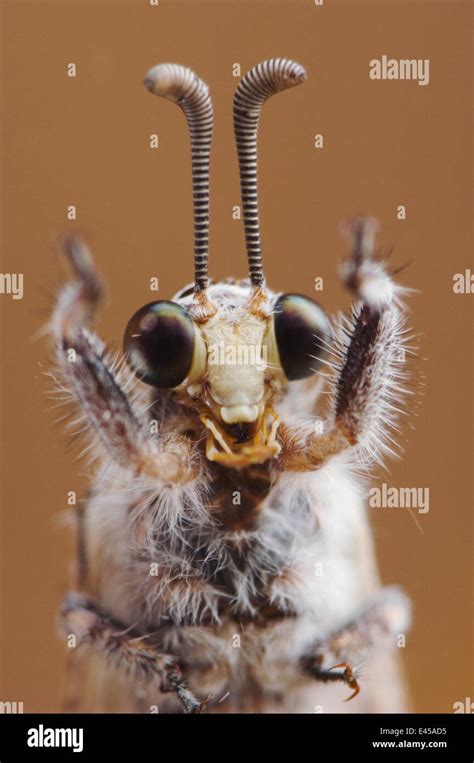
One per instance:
(97, 388)
(385, 617)
(367, 360)
(124, 649)
(348, 676)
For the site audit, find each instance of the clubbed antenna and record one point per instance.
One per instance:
(261, 82)
(181, 85)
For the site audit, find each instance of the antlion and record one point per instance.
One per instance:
(225, 560)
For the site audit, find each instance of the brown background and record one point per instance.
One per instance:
(84, 141)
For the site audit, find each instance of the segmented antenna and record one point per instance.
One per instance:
(181, 85)
(261, 82)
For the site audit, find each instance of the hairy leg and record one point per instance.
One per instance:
(378, 625)
(124, 649)
(96, 387)
(367, 359)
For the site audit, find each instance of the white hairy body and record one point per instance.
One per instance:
(312, 527)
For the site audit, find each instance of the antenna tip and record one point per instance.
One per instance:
(290, 73)
(298, 73)
(168, 80)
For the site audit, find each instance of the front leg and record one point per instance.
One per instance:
(94, 384)
(125, 650)
(368, 359)
(377, 625)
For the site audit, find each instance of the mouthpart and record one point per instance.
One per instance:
(238, 444)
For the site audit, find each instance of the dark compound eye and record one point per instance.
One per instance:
(302, 332)
(159, 344)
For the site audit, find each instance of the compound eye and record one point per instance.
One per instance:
(302, 334)
(159, 344)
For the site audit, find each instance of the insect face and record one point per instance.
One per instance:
(232, 367)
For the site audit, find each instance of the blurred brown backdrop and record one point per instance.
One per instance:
(85, 141)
